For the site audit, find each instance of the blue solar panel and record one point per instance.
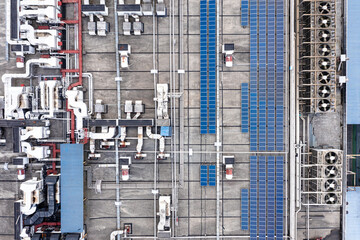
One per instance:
(279, 124)
(203, 175)
(253, 197)
(271, 76)
(245, 107)
(212, 175)
(244, 13)
(271, 198)
(262, 197)
(253, 76)
(203, 70)
(212, 66)
(244, 209)
(279, 231)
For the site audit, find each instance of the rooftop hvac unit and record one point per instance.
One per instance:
(324, 77)
(325, 105)
(331, 185)
(326, 35)
(325, 7)
(325, 21)
(331, 171)
(324, 91)
(327, 156)
(331, 199)
(325, 50)
(325, 64)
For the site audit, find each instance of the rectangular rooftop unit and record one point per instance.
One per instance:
(72, 208)
(129, 9)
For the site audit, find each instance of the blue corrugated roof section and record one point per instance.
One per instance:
(352, 218)
(353, 85)
(72, 187)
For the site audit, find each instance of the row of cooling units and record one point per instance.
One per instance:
(318, 62)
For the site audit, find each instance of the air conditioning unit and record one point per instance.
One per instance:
(330, 185)
(331, 198)
(325, 7)
(327, 156)
(331, 171)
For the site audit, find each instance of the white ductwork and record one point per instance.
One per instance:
(49, 97)
(161, 141)
(103, 135)
(38, 152)
(122, 136)
(75, 102)
(42, 15)
(38, 2)
(12, 94)
(139, 145)
(32, 195)
(34, 132)
(116, 233)
(45, 39)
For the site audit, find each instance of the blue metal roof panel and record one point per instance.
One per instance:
(72, 209)
(353, 72)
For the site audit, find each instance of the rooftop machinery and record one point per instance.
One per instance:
(36, 103)
(317, 56)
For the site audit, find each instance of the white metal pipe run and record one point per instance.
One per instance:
(292, 160)
(217, 120)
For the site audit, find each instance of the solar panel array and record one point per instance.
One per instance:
(203, 68)
(244, 107)
(253, 75)
(207, 175)
(203, 175)
(262, 75)
(244, 209)
(208, 66)
(212, 175)
(271, 77)
(266, 198)
(266, 63)
(279, 75)
(279, 169)
(253, 198)
(244, 13)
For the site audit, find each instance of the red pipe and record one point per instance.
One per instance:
(69, 70)
(48, 224)
(69, 51)
(79, 83)
(70, 21)
(54, 152)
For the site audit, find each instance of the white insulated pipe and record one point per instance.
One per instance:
(107, 135)
(42, 94)
(140, 140)
(157, 137)
(293, 117)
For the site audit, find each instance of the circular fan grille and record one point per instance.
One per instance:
(324, 105)
(331, 171)
(324, 21)
(330, 198)
(324, 63)
(324, 50)
(330, 185)
(324, 91)
(324, 77)
(331, 157)
(324, 7)
(324, 35)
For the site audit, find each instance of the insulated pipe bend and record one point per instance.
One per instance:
(157, 137)
(108, 135)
